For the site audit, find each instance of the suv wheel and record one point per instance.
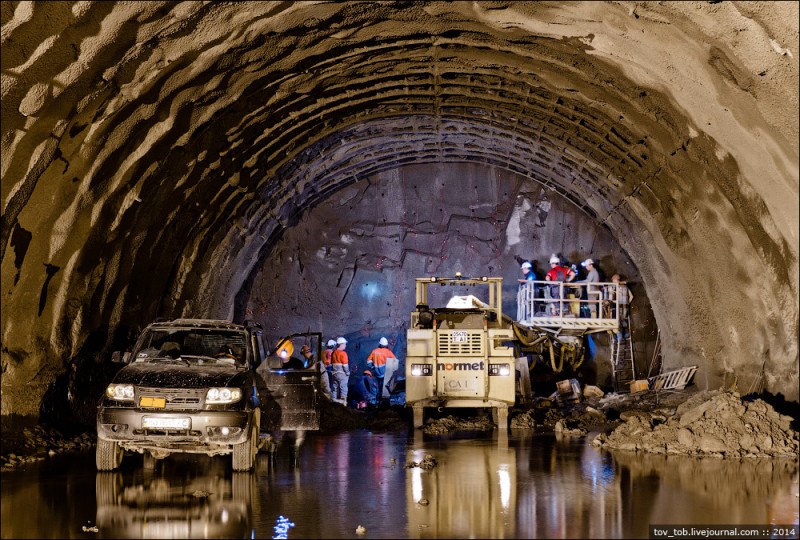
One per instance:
(109, 455)
(244, 453)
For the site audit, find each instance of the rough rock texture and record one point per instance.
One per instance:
(154, 152)
(348, 266)
(723, 425)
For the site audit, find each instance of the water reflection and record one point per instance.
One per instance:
(678, 489)
(485, 486)
(182, 499)
(544, 487)
(471, 493)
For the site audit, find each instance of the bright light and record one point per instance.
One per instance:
(505, 486)
(416, 484)
(120, 392)
(370, 290)
(505, 370)
(416, 370)
(223, 395)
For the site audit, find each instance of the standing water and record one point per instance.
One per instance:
(385, 485)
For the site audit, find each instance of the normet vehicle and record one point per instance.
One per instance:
(469, 354)
(461, 355)
(189, 386)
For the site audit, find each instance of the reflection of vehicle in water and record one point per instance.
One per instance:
(189, 387)
(293, 383)
(470, 493)
(203, 504)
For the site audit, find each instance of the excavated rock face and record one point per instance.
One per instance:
(153, 153)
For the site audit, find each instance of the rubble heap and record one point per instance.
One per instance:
(709, 424)
(450, 424)
(37, 442)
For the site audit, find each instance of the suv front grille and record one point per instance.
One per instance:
(472, 346)
(176, 398)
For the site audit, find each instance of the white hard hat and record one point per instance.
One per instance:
(526, 264)
(331, 343)
(554, 259)
(383, 341)
(587, 262)
(341, 340)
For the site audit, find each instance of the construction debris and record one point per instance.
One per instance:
(427, 463)
(713, 423)
(450, 424)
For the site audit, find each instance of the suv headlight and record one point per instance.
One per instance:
(223, 395)
(120, 392)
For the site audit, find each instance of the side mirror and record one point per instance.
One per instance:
(274, 362)
(120, 357)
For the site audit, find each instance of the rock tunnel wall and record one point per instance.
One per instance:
(153, 153)
(347, 268)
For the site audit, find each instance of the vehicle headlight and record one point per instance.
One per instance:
(223, 395)
(120, 392)
(418, 370)
(500, 369)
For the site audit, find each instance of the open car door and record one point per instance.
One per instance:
(292, 382)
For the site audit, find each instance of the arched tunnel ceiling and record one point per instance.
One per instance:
(152, 152)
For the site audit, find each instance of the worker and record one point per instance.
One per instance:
(621, 295)
(341, 372)
(527, 273)
(593, 293)
(324, 384)
(285, 350)
(377, 360)
(362, 393)
(526, 292)
(329, 347)
(558, 273)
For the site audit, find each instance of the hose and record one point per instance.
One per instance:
(553, 359)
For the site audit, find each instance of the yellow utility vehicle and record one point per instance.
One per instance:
(461, 354)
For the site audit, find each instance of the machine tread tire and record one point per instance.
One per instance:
(108, 456)
(244, 453)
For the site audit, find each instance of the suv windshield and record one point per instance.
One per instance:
(193, 346)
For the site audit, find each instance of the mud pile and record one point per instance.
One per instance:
(709, 424)
(576, 420)
(37, 442)
(450, 424)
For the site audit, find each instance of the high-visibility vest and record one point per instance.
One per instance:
(379, 356)
(339, 358)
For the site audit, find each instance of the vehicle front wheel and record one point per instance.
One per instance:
(244, 454)
(109, 455)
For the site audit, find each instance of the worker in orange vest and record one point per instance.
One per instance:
(329, 347)
(377, 361)
(341, 372)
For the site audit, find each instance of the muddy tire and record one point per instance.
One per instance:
(244, 454)
(108, 456)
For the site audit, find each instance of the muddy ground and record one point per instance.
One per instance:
(688, 422)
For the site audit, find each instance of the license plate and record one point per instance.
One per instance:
(153, 402)
(458, 337)
(154, 422)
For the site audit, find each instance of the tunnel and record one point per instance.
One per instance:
(300, 163)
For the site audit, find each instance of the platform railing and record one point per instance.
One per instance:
(562, 304)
